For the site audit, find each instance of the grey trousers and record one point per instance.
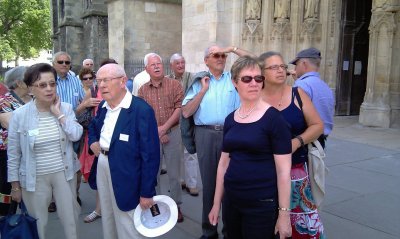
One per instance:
(172, 153)
(208, 147)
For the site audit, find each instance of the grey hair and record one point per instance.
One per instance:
(147, 56)
(266, 55)
(207, 50)
(88, 59)
(13, 76)
(60, 53)
(313, 61)
(175, 57)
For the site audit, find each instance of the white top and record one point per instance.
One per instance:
(47, 146)
(139, 80)
(111, 119)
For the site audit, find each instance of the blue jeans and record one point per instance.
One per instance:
(249, 219)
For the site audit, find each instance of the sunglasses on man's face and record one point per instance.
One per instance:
(248, 79)
(87, 78)
(64, 62)
(219, 55)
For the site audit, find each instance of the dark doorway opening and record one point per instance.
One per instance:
(353, 56)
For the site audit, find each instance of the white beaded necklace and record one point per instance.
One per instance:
(248, 113)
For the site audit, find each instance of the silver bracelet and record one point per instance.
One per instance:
(59, 117)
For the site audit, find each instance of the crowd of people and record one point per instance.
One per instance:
(245, 129)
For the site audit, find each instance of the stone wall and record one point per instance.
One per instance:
(278, 25)
(140, 27)
(80, 28)
(381, 106)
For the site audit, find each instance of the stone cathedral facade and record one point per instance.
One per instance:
(359, 39)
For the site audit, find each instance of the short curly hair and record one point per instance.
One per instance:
(85, 71)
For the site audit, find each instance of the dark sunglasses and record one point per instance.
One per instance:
(44, 85)
(88, 78)
(248, 79)
(64, 62)
(219, 55)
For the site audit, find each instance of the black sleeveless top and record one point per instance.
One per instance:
(295, 117)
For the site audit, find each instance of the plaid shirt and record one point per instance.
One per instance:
(164, 97)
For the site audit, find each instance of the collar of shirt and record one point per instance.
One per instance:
(125, 102)
(308, 74)
(157, 84)
(220, 77)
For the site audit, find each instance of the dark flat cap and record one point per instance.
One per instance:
(307, 53)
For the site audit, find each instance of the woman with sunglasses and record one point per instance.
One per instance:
(253, 176)
(306, 126)
(41, 160)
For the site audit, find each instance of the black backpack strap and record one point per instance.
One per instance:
(297, 95)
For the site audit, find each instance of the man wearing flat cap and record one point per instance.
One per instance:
(307, 64)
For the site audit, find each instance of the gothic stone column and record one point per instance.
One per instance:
(381, 101)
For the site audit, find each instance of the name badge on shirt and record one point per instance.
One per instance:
(76, 94)
(33, 132)
(124, 137)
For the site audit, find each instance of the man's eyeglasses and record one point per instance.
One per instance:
(87, 78)
(106, 80)
(64, 62)
(219, 55)
(248, 79)
(276, 67)
(44, 85)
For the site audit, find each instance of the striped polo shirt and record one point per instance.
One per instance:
(70, 90)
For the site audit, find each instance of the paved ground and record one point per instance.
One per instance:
(362, 189)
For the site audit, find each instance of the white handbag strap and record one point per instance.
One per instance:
(319, 147)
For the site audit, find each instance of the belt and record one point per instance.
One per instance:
(217, 127)
(104, 152)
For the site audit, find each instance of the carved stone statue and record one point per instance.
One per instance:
(253, 9)
(311, 9)
(282, 9)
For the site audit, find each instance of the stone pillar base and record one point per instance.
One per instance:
(395, 118)
(377, 116)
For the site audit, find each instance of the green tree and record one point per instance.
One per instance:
(24, 28)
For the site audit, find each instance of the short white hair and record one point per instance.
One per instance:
(147, 56)
(175, 57)
(60, 53)
(88, 59)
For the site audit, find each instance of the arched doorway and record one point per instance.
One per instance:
(353, 56)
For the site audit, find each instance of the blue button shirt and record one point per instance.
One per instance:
(70, 90)
(220, 99)
(321, 96)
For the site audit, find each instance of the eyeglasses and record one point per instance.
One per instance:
(87, 78)
(154, 65)
(44, 85)
(64, 62)
(248, 79)
(276, 67)
(106, 80)
(219, 55)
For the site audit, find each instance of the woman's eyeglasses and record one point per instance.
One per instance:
(44, 85)
(87, 78)
(248, 79)
(64, 62)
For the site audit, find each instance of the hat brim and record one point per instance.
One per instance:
(293, 62)
(150, 226)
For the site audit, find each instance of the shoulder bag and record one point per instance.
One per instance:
(18, 226)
